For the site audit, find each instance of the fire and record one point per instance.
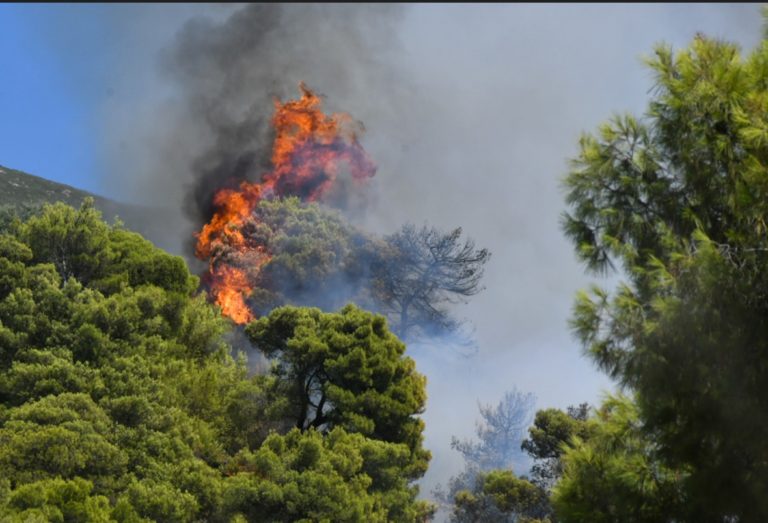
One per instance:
(309, 150)
(229, 288)
(233, 207)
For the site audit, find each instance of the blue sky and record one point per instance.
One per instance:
(54, 62)
(64, 66)
(47, 126)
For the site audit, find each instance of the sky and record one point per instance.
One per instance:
(472, 113)
(47, 118)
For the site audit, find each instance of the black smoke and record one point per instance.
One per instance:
(227, 72)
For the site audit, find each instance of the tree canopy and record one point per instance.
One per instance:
(679, 198)
(345, 370)
(499, 496)
(613, 472)
(317, 258)
(553, 430)
(120, 399)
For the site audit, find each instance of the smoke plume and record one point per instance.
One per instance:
(221, 73)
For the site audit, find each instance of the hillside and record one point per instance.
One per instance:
(20, 188)
(162, 226)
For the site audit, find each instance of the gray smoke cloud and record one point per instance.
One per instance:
(229, 73)
(471, 114)
(510, 88)
(222, 70)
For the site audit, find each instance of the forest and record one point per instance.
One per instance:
(126, 395)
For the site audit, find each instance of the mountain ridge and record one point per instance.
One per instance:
(160, 225)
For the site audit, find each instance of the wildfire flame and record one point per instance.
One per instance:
(229, 288)
(309, 149)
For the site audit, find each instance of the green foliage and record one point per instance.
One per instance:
(57, 500)
(679, 199)
(316, 255)
(500, 496)
(551, 433)
(345, 370)
(615, 474)
(80, 245)
(92, 372)
(73, 240)
(58, 436)
(487, 489)
(120, 401)
(12, 215)
(310, 477)
(640, 187)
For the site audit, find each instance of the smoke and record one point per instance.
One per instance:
(222, 71)
(510, 89)
(471, 115)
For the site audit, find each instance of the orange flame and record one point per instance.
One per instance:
(229, 288)
(233, 207)
(308, 151)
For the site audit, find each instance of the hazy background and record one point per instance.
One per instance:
(471, 114)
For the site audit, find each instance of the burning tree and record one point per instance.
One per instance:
(317, 257)
(268, 244)
(308, 153)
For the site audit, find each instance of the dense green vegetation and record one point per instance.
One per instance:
(678, 199)
(488, 489)
(120, 400)
(317, 257)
